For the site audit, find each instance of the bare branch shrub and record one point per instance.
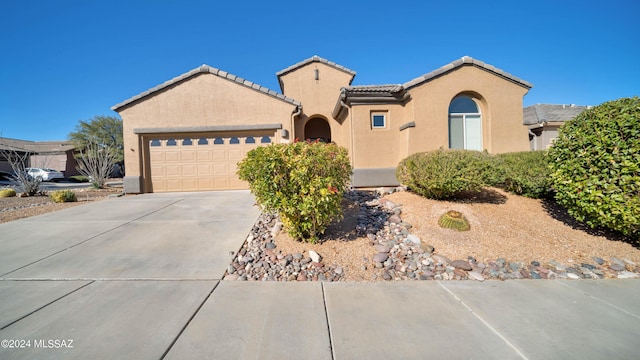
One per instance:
(96, 161)
(18, 161)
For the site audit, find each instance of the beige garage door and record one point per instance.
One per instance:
(201, 162)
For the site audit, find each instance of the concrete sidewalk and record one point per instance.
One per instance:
(139, 278)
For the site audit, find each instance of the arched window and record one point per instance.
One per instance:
(250, 140)
(265, 140)
(234, 140)
(187, 142)
(203, 141)
(218, 141)
(465, 124)
(155, 142)
(171, 142)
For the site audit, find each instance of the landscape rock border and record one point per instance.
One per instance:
(400, 255)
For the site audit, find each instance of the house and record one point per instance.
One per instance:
(188, 133)
(544, 121)
(57, 155)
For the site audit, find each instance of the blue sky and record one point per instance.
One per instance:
(64, 61)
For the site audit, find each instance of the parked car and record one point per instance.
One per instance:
(44, 174)
(6, 175)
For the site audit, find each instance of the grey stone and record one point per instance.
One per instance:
(382, 248)
(441, 259)
(475, 276)
(617, 261)
(572, 276)
(461, 264)
(627, 275)
(598, 260)
(395, 219)
(315, 257)
(386, 276)
(380, 257)
(617, 267)
(414, 239)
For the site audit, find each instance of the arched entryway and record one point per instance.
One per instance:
(317, 129)
(465, 124)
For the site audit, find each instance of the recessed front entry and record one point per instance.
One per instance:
(317, 129)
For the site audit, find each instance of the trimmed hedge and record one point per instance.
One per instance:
(441, 174)
(304, 182)
(595, 166)
(523, 173)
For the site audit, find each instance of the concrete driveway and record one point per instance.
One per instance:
(138, 278)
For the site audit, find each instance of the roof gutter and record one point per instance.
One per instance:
(341, 109)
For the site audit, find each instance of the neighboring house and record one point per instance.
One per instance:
(544, 121)
(57, 155)
(188, 133)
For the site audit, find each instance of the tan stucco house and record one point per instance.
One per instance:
(57, 155)
(544, 122)
(188, 133)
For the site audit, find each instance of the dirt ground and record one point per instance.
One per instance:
(503, 225)
(14, 208)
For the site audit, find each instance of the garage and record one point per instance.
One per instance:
(200, 161)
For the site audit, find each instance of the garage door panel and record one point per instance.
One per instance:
(188, 155)
(201, 161)
(203, 155)
(172, 156)
(188, 170)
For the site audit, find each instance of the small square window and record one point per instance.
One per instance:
(378, 121)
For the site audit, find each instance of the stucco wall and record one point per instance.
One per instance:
(318, 97)
(204, 100)
(500, 103)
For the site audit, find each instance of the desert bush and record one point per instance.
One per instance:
(62, 196)
(441, 174)
(304, 182)
(79, 178)
(523, 173)
(4, 193)
(595, 166)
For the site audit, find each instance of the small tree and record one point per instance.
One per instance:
(18, 159)
(106, 129)
(96, 161)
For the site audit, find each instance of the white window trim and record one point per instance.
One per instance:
(384, 114)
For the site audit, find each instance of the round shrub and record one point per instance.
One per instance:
(595, 166)
(441, 174)
(4, 193)
(62, 196)
(523, 173)
(304, 182)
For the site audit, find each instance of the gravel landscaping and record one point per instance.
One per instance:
(393, 235)
(14, 208)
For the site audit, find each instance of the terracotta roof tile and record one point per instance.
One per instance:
(203, 69)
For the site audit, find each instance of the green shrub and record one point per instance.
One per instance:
(62, 196)
(443, 173)
(595, 166)
(304, 182)
(79, 178)
(524, 173)
(4, 193)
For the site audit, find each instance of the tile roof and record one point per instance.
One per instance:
(206, 69)
(35, 146)
(466, 61)
(539, 113)
(314, 58)
(375, 88)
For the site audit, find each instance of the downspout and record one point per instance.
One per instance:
(534, 139)
(294, 114)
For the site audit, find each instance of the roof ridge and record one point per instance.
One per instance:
(469, 61)
(315, 58)
(204, 68)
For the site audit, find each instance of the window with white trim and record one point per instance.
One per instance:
(465, 124)
(378, 119)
